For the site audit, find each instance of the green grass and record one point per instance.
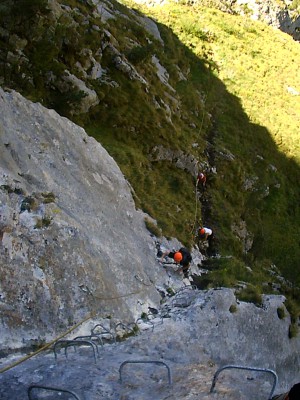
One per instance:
(248, 63)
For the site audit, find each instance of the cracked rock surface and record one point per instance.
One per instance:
(191, 336)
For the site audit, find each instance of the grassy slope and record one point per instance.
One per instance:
(256, 63)
(259, 124)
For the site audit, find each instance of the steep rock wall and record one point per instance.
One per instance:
(72, 241)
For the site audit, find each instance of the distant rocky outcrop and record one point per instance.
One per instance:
(281, 15)
(274, 13)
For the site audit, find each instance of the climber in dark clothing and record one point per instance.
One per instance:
(293, 394)
(182, 257)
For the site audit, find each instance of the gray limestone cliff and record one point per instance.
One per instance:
(71, 240)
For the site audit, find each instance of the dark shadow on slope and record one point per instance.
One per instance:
(254, 182)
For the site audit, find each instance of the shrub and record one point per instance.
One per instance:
(140, 53)
(233, 308)
(250, 294)
(293, 331)
(281, 312)
(152, 228)
(28, 204)
(43, 222)
(48, 197)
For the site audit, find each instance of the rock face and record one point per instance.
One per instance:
(72, 242)
(269, 11)
(194, 333)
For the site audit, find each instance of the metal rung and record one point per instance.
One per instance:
(68, 343)
(104, 331)
(129, 328)
(249, 369)
(146, 362)
(53, 389)
(82, 342)
(123, 326)
(92, 338)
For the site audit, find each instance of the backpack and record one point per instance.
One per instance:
(186, 255)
